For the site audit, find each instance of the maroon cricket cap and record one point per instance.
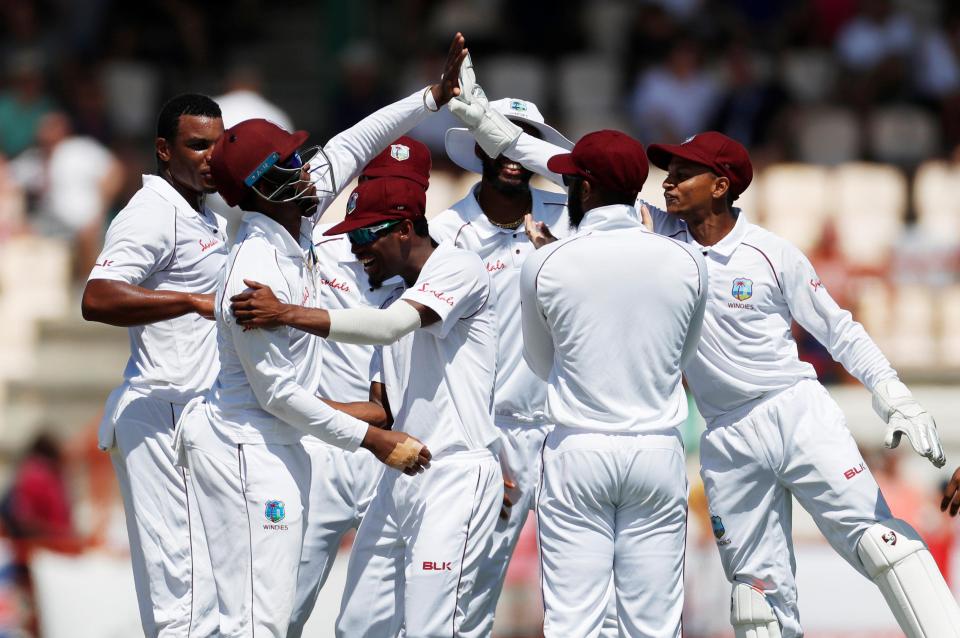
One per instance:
(609, 159)
(382, 200)
(248, 150)
(723, 155)
(405, 157)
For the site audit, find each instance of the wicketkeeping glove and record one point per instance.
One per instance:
(895, 404)
(492, 130)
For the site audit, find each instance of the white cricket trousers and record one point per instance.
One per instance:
(415, 558)
(794, 444)
(253, 500)
(612, 503)
(519, 452)
(171, 567)
(342, 484)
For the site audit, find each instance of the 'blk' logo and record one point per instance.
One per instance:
(432, 566)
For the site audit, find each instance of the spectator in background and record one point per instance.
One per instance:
(874, 49)
(72, 181)
(752, 105)
(37, 505)
(937, 72)
(360, 90)
(23, 103)
(12, 203)
(243, 99)
(676, 99)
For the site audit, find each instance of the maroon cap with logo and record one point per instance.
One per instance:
(248, 150)
(723, 155)
(405, 157)
(382, 200)
(609, 159)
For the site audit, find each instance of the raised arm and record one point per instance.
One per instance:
(351, 150)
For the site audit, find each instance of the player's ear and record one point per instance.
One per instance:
(163, 149)
(721, 186)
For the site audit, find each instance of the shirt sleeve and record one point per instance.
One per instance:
(813, 308)
(348, 152)
(538, 348)
(534, 153)
(455, 286)
(139, 242)
(264, 355)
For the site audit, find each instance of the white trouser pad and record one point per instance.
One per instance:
(751, 615)
(899, 563)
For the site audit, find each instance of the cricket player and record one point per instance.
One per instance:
(773, 432)
(415, 559)
(343, 483)
(156, 275)
(276, 186)
(489, 221)
(613, 497)
(242, 443)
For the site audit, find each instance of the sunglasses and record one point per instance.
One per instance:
(370, 234)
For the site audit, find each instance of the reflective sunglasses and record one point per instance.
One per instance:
(369, 234)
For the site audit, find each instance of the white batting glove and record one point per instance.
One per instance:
(895, 404)
(492, 130)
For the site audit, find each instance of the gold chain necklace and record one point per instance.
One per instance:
(508, 225)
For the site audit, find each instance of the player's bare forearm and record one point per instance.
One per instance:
(951, 495)
(258, 307)
(121, 304)
(367, 411)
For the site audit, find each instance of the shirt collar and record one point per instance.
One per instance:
(164, 189)
(726, 246)
(483, 227)
(278, 236)
(613, 217)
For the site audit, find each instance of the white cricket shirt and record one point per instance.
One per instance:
(520, 395)
(759, 283)
(159, 242)
(608, 315)
(265, 392)
(342, 284)
(440, 379)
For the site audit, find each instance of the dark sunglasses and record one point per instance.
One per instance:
(370, 234)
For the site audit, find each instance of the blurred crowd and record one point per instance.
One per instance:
(820, 81)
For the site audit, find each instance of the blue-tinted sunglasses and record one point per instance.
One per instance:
(369, 234)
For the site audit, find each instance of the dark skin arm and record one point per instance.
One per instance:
(121, 304)
(258, 307)
(951, 494)
(449, 85)
(374, 411)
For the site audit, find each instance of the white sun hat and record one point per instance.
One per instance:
(459, 142)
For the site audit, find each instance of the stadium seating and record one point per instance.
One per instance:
(902, 135)
(793, 200)
(869, 203)
(827, 135)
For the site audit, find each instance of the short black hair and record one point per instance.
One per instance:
(185, 104)
(609, 197)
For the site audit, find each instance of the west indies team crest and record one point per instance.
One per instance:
(275, 511)
(742, 288)
(352, 202)
(400, 152)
